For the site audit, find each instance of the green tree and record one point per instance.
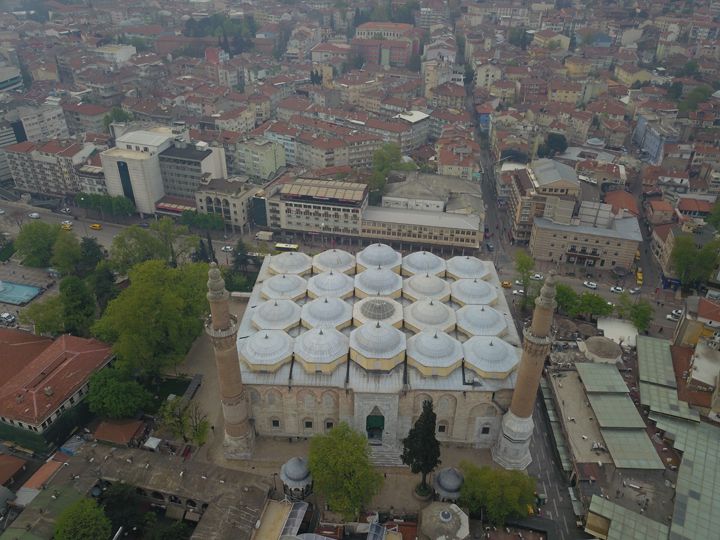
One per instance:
(174, 240)
(519, 37)
(714, 217)
(91, 253)
(35, 243)
(237, 281)
(46, 316)
(557, 143)
(694, 98)
(675, 90)
(524, 265)
(113, 394)
(174, 418)
(387, 158)
(641, 315)
(123, 507)
(202, 222)
(82, 520)
(102, 284)
(421, 449)
(593, 305)
(154, 321)
(498, 493)
(567, 299)
(694, 265)
(66, 253)
(116, 115)
(135, 245)
(342, 473)
(240, 257)
(78, 305)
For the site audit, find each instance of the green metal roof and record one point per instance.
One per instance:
(655, 361)
(601, 378)
(626, 524)
(697, 494)
(664, 400)
(615, 411)
(631, 449)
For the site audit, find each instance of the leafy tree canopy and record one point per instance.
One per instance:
(693, 265)
(47, 316)
(82, 520)
(341, 470)
(35, 243)
(135, 245)
(66, 254)
(117, 114)
(78, 305)
(202, 222)
(113, 394)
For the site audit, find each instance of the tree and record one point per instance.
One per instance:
(123, 507)
(177, 530)
(35, 243)
(176, 244)
(46, 316)
(567, 299)
(342, 473)
(154, 321)
(675, 90)
(694, 265)
(499, 493)
(135, 245)
(421, 449)
(78, 305)
(201, 254)
(557, 143)
(593, 305)
(66, 253)
(694, 98)
(519, 37)
(113, 394)
(82, 520)
(91, 253)
(524, 265)
(202, 222)
(240, 257)
(210, 248)
(174, 418)
(387, 158)
(116, 115)
(102, 284)
(641, 315)
(714, 217)
(198, 425)
(237, 281)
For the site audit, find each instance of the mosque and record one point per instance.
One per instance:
(366, 339)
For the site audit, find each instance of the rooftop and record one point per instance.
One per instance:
(623, 524)
(421, 217)
(621, 229)
(655, 361)
(188, 153)
(601, 378)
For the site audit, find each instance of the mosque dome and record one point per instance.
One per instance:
(288, 286)
(426, 286)
(334, 259)
(378, 281)
(433, 349)
(429, 314)
(377, 308)
(474, 320)
(380, 255)
(468, 267)
(490, 357)
(331, 283)
(295, 473)
(377, 341)
(267, 350)
(276, 315)
(423, 262)
(447, 483)
(324, 346)
(473, 291)
(329, 312)
(290, 262)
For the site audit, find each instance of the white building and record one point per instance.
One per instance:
(40, 123)
(132, 168)
(117, 54)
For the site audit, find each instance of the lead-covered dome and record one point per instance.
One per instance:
(337, 260)
(423, 262)
(276, 315)
(290, 262)
(428, 314)
(377, 308)
(284, 286)
(329, 312)
(468, 267)
(475, 320)
(490, 357)
(447, 483)
(380, 255)
(434, 353)
(331, 283)
(377, 346)
(378, 282)
(266, 350)
(426, 286)
(295, 473)
(473, 291)
(321, 349)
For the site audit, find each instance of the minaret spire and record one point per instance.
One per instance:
(222, 327)
(512, 449)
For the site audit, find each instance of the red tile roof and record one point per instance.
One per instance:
(43, 475)
(119, 431)
(17, 348)
(621, 199)
(9, 467)
(709, 309)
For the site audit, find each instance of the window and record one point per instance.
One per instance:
(329, 425)
(308, 424)
(442, 428)
(485, 430)
(275, 424)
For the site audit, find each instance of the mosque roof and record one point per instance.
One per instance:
(434, 349)
(377, 308)
(490, 356)
(480, 320)
(447, 483)
(326, 311)
(267, 348)
(429, 314)
(378, 281)
(331, 283)
(378, 340)
(276, 315)
(467, 267)
(426, 286)
(289, 286)
(423, 262)
(290, 262)
(321, 346)
(379, 255)
(473, 291)
(334, 259)
(295, 473)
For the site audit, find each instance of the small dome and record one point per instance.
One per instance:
(423, 262)
(380, 255)
(321, 346)
(295, 473)
(378, 282)
(329, 312)
(276, 315)
(473, 291)
(434, 349)
(290, 262)
(334, 259)
(428, 314)
(467, 267)
(426, 286)
(289, 286)
(377, 308)
(447, 483)
(490, 357)
(266, 349)
(481, 320)
(379, 340)
(331, 283)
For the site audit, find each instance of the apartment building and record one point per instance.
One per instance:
(47, 168)
(595, 237)
(7, 137)
(310, 205)
(10, 79)
(260, 158)
(229, 198)
(183, 167)
(85, 117)
(318, 152)
(41, 123)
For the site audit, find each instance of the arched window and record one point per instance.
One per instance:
(275, 423)
(307, 424)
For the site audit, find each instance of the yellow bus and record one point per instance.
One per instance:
(286, 247)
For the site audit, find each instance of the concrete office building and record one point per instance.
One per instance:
(7, 137)
(184, 167)
(39, 123)
(229, 198)
(260, 158)
(10, 79)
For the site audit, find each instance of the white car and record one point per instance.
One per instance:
(7, 318)
(66, 222)
(65, 210)
(537, 277)
(616, 289)
(518, 282)
(518, 292)
(677, 312)
(590, 285)
(634, 290)
(672, 317)
(226, 249)
(2, 211)
(34, 215)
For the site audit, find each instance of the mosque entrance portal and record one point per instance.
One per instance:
(375, 424)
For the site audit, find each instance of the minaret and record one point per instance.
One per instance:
(512, 449)
(222, 327)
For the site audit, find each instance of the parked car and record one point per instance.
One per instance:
(672, 317)
(490, 246)
(65, 210)
(34, 215)
(518, 282)
(590, 285)
(7, 318)
(226, 249)
(634, 290)
(518, 292)
(95, 226)
(2, 211)
(537, 277)
(144, 225)
(506, 285)
(677, 312)
(617, 289)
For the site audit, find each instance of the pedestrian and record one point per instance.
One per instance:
(213, 428)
